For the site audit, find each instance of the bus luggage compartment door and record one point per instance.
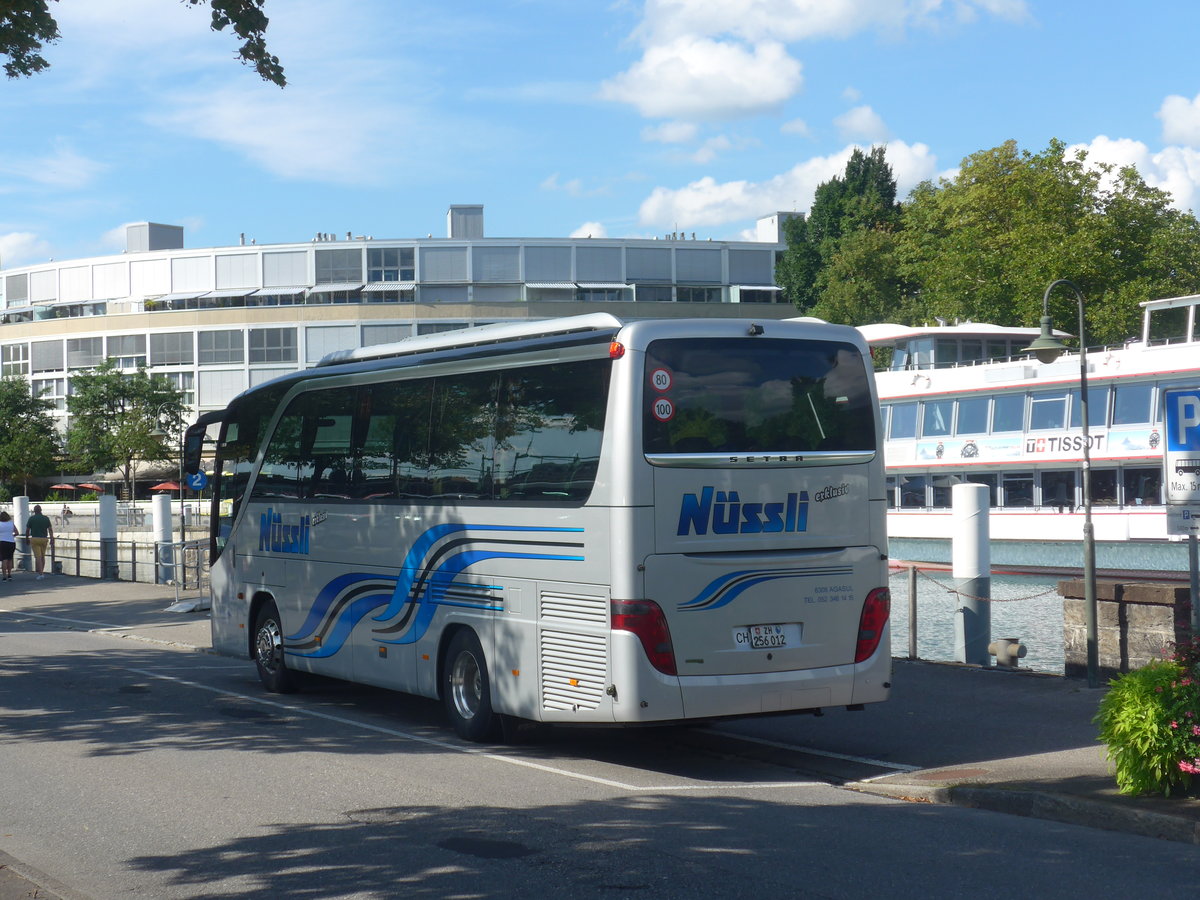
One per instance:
(740, 614)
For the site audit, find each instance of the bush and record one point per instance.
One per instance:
(1150, 720)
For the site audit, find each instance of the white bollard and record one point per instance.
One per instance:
(972, 570)
(163, 540)
(110, 566)
(20, 514)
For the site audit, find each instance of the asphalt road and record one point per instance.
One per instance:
(135, 770)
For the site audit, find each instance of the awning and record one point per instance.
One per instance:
(335, 286)
(607, 286)
(281, 291)
(378, 287)
(758, 287)
(10, 310)
(186, 295)
(552, 285)
(231, 292)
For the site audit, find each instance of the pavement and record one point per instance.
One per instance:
(1014, 742)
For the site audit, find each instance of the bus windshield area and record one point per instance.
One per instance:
(756, 395)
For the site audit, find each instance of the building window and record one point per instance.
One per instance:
(273, 345)
(52, 389)
(220, 347)
(83, 353)
(654, 293)
(185, 383)
(14, 360)
(391, 264)
(338, 265)
(602, 295)
(171, 349)
(686, 294)
(127, 351)
(46, 356)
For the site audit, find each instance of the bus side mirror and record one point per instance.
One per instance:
(193, 447)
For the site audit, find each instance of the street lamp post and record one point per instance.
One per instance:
(1047, 348)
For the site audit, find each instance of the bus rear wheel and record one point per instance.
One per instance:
(466, 689)
(268, 651)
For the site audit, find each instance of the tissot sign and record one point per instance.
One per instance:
(1181, 460)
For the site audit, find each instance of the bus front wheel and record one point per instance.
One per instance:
(268, 651)
(466, 690)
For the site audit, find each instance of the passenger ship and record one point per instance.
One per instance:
(961, 403)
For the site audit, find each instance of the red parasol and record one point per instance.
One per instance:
(62, 487)
(165, 486)
(91, 487)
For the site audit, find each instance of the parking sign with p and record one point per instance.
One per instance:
(1181, 418)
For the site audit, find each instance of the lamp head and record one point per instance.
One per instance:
(1047, 348)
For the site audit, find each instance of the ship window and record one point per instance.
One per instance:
(1143, 487)
(1008, 412)
(936, 422)
(1058, 489)
(1097, 408)
(997, 349)
(946, 353)
(1048, 410)
(971, 350)
(942, 495)
(990, 481)
(912, 491)
(1104, 487)
(904, 421)
(1131, 404)
(891, 491)
(972, 416)
(1017, 489)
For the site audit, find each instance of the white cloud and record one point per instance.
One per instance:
(670, 132)
(589, 230)
(707, 202)
(19, 248)
(1181, 120)
(64, 169)
(796, 126)
(1172, 169)
(696, 78)
(861, 124)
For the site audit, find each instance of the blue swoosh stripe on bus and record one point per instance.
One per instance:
(426, 541)
(342, 627)
(727, 588)
(327, 597)
(441, 579)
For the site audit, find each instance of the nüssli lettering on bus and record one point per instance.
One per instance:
(724, 513)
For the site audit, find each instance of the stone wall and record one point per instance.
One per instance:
(1136, 622)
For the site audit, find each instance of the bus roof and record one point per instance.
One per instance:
(597, 324)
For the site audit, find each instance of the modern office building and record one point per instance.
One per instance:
(218, 320)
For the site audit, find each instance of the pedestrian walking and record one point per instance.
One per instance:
(40, 532)
(8, 544)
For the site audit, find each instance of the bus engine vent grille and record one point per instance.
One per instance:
(575, 608)
(574, 669)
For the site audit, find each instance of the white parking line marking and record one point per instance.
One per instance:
(434, 742)
(865, 760)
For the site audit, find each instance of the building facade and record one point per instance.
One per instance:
(216, 321)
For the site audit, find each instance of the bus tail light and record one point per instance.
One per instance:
(871, 623)
(616, 350)
(645, 619)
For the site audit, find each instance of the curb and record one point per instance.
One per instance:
(1067, 808)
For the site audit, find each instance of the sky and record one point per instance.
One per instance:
(610, 118)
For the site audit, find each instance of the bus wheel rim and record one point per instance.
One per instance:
(466, 685)
(270, 645)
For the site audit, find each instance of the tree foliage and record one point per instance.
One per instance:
(982, 246)
(113, 416)
(863, 197)
(27, 25)
(29, 443)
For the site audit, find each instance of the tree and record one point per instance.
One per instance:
(862, 282)
(864, 197)
(113, 415)
(29, 444)
(983, 245)
(26, 25)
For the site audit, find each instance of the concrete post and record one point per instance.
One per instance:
(110, 566)
(161, 524)
(24, 559)
(972, 570)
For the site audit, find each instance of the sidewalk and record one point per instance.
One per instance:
(1012, 742)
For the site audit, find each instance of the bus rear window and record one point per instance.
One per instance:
(756, 395)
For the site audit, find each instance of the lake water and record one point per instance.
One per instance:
(1025, 607)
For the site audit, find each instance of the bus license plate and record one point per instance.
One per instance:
(766, 637)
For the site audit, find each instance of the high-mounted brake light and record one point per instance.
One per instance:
(876, 609)
(616, 350)
(645, 619)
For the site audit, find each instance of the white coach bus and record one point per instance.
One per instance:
(580, 520)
